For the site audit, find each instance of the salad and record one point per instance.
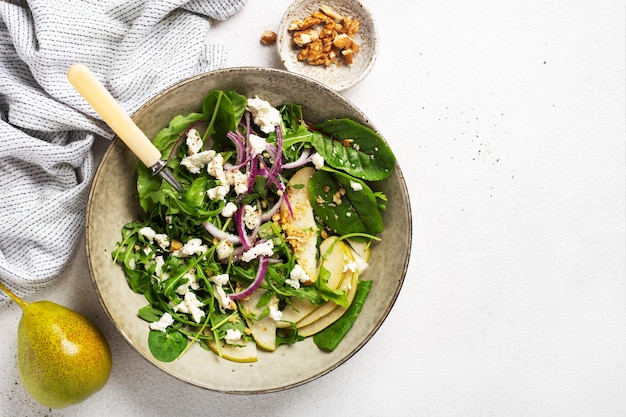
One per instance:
(266, 244)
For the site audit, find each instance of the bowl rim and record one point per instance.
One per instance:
(116, 144)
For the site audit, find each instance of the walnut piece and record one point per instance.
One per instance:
(304, 37)
(268, 37)
(330, 12)
(325, 37)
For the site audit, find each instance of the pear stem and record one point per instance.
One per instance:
(15, 298)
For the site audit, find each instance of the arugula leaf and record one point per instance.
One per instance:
(354, 148)
(340, 207)
(339, 296)
(295, 132)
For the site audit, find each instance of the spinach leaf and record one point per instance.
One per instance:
(166, 347)
(195, 194)
(166, 139)
(330, 337)
(222, 111)
(354, 148)
(147, 186)
(341, 207)
(149, 313)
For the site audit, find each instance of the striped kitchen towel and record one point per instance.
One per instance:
(137, 48)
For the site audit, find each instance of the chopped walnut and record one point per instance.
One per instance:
(330, 12)
(268, 37)
(307, 23)
(325, 37)
(304, 37)
(342, 41)
(348, 56)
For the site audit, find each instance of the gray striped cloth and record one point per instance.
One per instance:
(137, 48)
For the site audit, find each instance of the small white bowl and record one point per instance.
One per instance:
(335, 76)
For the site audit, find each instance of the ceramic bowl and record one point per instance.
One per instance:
(112, 203)
(336, 76)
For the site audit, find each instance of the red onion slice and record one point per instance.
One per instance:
(305, 157)
(220, 234)
(260, 276)
(241, 228)
(267, 216)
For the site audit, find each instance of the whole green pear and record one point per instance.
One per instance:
(62, 357)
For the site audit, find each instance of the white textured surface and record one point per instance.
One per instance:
(508, 121)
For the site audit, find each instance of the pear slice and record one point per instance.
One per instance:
(345, 284)
(334, 263)
(296, 311)
(319, 312)
(264, 330)
(240, 353)
(325, 321)
(361, 253)
(299, 224)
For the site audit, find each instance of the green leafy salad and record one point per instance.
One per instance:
(266, 244)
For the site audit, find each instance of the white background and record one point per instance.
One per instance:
(508, 120)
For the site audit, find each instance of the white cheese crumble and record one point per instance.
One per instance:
(275, 313)
(194, 142)
(162, 240)
(159, 262)
(257, 144)
(191, 305)
(221, 279)
(265, 116)
(192, 283)
(318, 160)
(193, 246)
(238, 180)
(224, 249)
(356, 186)
(296, 276)
(229, 209)
(262, 249)
(215, 167)
(223, 299)
(218, 193)
(226, 177)
(351, 266)
(148, 233)
(251, 217)
(232, 336)
(194, 163)
(164, 322)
